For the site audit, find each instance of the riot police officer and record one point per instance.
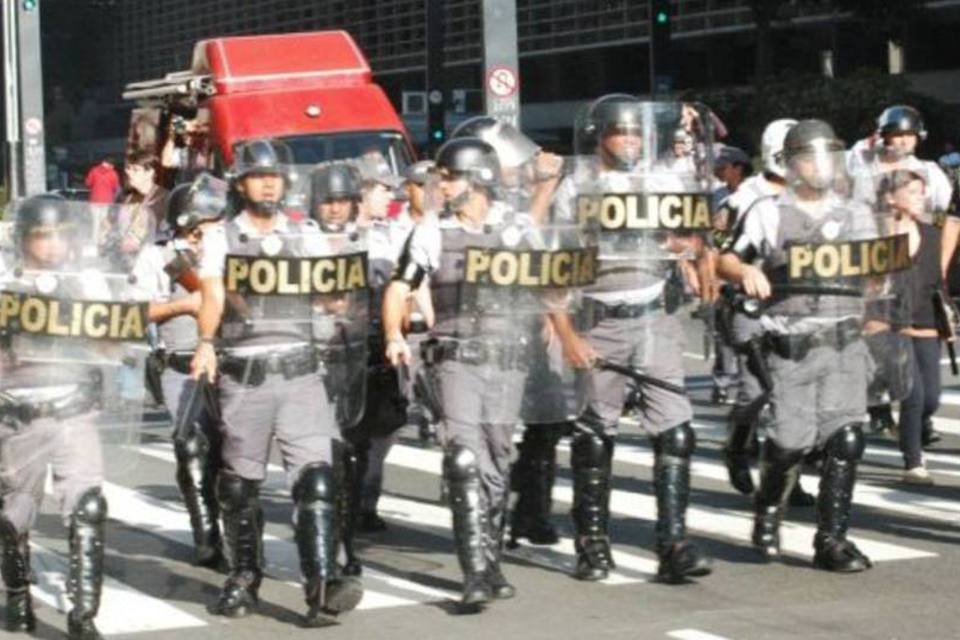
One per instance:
(478, 421)
(818, 360)
(167, 270)
(58, 388)
(631, 318)
(270, 388)
(533, 472)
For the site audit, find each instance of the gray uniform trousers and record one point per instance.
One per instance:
(653, 343)
(481, 405)
(815, 396)
(178, 389)
(71, 447)
(296, 411)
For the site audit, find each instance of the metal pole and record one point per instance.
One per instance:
(651, 48)
(11, 98)
(501, 61)
(31, 99)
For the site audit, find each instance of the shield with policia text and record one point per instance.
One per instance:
(494, 356)
(297, 304)
(72, 350)
(642, 180)
(839, 274)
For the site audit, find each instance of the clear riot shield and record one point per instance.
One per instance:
(492, 357)
(643, 179)
(839, 277)
(876, 184)
(72, 350)
(298, 303)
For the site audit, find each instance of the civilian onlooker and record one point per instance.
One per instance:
(141, 215)
(903, 193)
(103, 182)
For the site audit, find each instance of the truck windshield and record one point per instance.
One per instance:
(311, 149)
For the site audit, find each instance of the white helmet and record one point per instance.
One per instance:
(771, 146)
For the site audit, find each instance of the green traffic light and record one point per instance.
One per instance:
(29, 5)
(438, 134)
(662, 17)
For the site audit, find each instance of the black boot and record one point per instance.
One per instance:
(881, 419)
(679, 558)
(591, 456)
(85, 581)
(15, 569)
(196, 478)
(532, 478)
(833, 552)
(317, 530)
(736, 454)
(242, 544)
(350, 503)
(779, 469)
(493, 547)
(800, 498)
(469, 524)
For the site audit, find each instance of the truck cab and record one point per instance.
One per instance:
(312, 90)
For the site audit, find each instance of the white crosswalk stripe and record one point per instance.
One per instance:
(127, 610)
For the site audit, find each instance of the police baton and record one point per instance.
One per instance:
(202, 399)
(632, 373)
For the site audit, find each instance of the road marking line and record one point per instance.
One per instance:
(693, 634)
(123, 609)
(729, 523)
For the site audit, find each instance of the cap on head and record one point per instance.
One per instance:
(731, 155)
(513, 147)
(472, 158)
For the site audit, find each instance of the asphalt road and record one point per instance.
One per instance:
(412, 580)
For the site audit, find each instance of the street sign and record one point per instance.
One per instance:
(502, 82)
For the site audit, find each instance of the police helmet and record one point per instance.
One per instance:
(771, 146)
(263, 156)
(612, 112)
(809, 136)
(419, 172)
(901, 119)
(192, 203)
(46, 211)
(334, 181)
(472, 158)
(513, 148)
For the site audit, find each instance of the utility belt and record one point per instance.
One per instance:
(16, 412)
(596, 311)
(474, 352)
(253, 370)
(796, 347)
(179, 361)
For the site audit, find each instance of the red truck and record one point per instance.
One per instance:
(312, 90)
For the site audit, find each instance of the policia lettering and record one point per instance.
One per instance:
(817, 262)
(296, 276)
(635, 211)
(71, 318)
(571, 268)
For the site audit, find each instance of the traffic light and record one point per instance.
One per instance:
(661, 69)
(30, 5)
(437, 134)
